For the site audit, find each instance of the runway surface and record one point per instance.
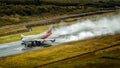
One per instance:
(80, 30)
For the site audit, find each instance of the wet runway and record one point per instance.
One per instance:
(79, 30)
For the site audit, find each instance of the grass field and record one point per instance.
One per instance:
(109, 58)
(13, 30)
(7, 20)
(54, 53)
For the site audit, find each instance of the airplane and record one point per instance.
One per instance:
(37, 40)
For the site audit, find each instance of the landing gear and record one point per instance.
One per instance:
(35, 44)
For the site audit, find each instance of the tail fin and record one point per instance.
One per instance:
(50, 29)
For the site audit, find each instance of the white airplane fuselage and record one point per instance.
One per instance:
(31, 37)
(37, 39)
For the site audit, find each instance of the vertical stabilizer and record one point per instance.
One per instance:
(50, 29)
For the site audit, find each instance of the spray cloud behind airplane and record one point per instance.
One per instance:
(87, 29)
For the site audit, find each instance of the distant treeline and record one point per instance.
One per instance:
(26, 10)
(22, 2)
(35, 2)
(31, 7)
(98, 3)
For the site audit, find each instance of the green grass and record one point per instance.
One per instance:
(54, 53)
(13, 29)
(7, 20)
(91, 60)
